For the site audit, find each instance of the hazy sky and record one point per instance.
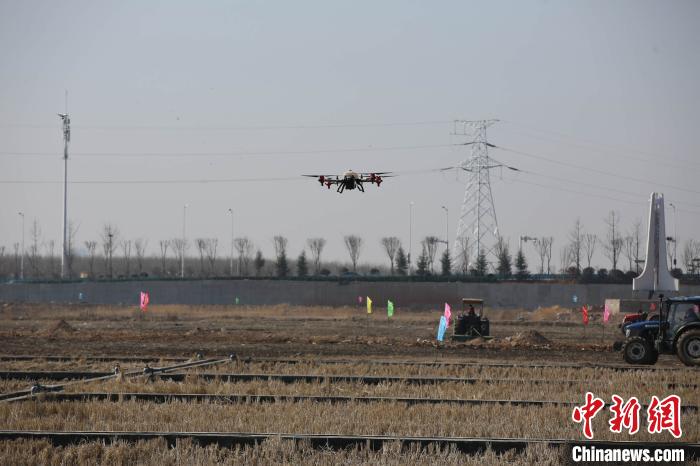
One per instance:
(158, 89)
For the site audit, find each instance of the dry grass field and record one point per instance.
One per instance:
(326, 342)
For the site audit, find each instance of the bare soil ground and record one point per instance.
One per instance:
(313, 337)
(286, 331)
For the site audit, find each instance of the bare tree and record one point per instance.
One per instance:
(576, 236)
(588, 245)
(180, 247)
(391, 244)
(464, 249)
(614, 242)
(691, 256)
(210, 249)
(541, 248)
(280, 244)
(163, 244)
(34, 256)
(431, 245)
(140, 245)
(505, 260)
(50, 248)
(17, 255)
(636, 235)
(628, 250)
(110, 239)
(565, 258)
(201, 244)
(91, 247)
(548, 242)
(354, 245)
(244, 248)
(126, 252)
(316, 246)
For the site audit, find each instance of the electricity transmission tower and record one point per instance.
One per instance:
(477, 220)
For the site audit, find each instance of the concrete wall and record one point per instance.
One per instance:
(421, 294)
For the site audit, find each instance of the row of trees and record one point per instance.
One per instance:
(42, 259)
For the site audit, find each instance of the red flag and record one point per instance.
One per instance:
(584, 311)
(144, 301)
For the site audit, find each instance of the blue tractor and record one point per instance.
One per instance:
(676, 330)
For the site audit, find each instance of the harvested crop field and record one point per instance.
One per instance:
(311, 385)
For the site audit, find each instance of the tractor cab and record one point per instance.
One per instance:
(676, 330)
(471, 322)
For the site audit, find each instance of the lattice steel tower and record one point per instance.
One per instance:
(477, 221)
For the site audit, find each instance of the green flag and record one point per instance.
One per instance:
(237, 300)
(389, 309)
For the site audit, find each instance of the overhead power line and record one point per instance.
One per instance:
(237, 128)
(589, 194)
(230, 154)
(602, 148)
(598, 171)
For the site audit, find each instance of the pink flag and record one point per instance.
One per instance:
(448, 313)
(144, 301)
(359, 300)
(606, 314)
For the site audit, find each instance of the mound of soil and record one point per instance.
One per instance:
(60, 327)
(529, 337)
(550, 313)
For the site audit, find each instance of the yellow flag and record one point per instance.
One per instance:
(369, 305)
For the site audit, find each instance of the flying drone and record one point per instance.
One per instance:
(351, 180)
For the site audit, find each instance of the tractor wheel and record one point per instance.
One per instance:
(688, 347)
(638, 350)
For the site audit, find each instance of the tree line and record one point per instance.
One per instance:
(115, 256)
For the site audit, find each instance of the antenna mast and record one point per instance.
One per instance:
(66, 139)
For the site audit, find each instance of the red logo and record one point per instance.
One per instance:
(665, 415)
(587, 412)
(661, 415)
(625, 415)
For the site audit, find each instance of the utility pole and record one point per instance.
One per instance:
(184, 241)
(66, 139)
(230, 212)
(447, 227)
(21, 259)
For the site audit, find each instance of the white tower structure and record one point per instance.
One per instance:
(66, 139)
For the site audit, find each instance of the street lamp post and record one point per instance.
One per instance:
(230, 212)
(111, 274)
(447, 228)
(21, 259)
(526, 239)
(410, 234)
(184, 240)
(675, 233)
